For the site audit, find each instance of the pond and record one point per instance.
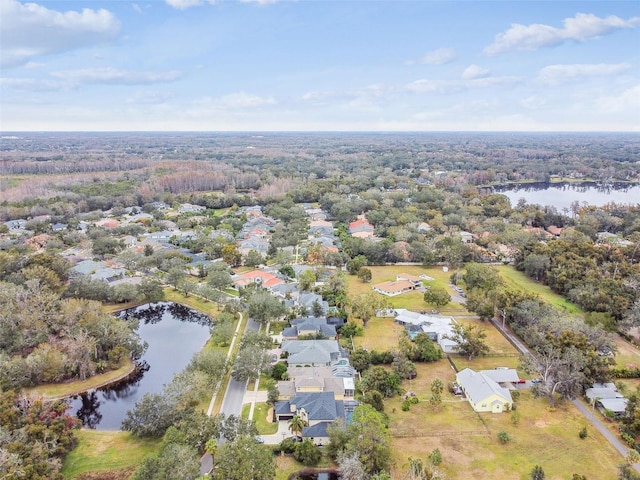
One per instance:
(562, 195)
(311, 474)
(174, 333)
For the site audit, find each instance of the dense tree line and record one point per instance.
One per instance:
(36, 437)
(597, 277)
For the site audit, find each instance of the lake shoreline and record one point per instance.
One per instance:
(93, 383)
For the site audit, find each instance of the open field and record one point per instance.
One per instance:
(381, 334)
(410, 300)
(628, 355)
(470, 448)
(104, 450)
(518, 279)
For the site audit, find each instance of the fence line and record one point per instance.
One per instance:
(443, 434)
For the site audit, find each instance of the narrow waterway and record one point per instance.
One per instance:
(173, 333)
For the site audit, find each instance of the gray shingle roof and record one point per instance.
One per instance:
(478, 386)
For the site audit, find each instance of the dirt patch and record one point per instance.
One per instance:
(120, 474)
(270, 415)
(541, 423)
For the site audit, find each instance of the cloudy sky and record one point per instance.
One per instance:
(322, 65)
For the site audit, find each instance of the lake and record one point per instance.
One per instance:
(562, 195)
(174, 333)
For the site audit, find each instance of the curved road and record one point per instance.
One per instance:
(594, 420)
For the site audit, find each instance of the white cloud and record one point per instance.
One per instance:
(243, 100)
(33, 85)
(29, 30)
(366, 95)
(555, 74)
(456, 86)
(627, 100)
(184, 4)
(439, 56)
(475, 71)
(149, 97)
(136, 7)
(259, 2)
(581, 27)
(114, 76)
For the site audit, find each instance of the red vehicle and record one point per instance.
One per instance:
(522, 380)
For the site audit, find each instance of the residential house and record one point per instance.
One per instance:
(313, 352)
(554, 230)
(309, 326)
(361, 228)
(260, 277)
(313, 407)
(16, 225)
(424, 227)
(606, 397)
(483, 393)
(308, 300)
(436, 327)
(316, 379)
(190, 208)
(505, 377)
(391, 289)
(466, 237)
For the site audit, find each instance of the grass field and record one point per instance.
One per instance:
(197, 303)
(518, 279)
(470, 448)
(62, 390)
(102, 450)
(410, 300)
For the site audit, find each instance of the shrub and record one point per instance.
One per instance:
(515, 417)
(503, 437)
(307, 453)
(435, 457)
(406, 405)
(288, 445)
(583, 433)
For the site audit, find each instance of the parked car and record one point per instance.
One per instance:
(456, 389)
(536, 380)
(522, 380)
(259, 439)
(296, 438)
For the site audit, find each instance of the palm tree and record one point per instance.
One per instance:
(296, 424)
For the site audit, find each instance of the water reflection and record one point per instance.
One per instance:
(174, 333)
(89, 412)
(563, 195)
(315, 475)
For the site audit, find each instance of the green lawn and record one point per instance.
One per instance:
(518, 279)
(381, 334)
(260, 414)
(62, 390)
(197, 303)
(410, 300)
(103, 450)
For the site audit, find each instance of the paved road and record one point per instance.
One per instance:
(232, 401)
(593, 419)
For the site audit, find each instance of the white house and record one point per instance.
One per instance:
(484, 394)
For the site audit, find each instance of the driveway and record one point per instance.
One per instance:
(593, 419)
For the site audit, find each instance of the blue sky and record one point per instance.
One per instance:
(338, 65)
